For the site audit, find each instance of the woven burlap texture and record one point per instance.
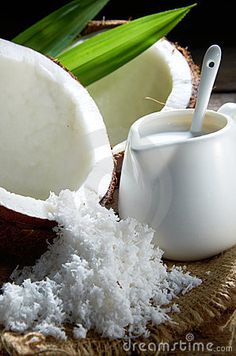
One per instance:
(207, 312)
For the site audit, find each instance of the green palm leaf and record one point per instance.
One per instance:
(104, 53)
(55, 32)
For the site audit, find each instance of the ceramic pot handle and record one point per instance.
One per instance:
(228, 109)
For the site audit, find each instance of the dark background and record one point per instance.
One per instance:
(211, 21)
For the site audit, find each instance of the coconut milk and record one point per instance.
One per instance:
(167, 137)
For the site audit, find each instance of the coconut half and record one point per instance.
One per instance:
(165, 72)
(52, 137)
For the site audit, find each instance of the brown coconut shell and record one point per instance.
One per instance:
(94, 26)
(24, 238)
(195, 72)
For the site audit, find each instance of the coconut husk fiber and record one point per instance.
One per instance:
(206, 321)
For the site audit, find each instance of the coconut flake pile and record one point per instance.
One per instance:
(100, 273)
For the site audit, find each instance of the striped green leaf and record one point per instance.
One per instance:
(104, 53)
(55, 32)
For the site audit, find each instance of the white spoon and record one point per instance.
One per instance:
(210, 66)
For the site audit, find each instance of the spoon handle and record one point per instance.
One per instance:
(210, 66)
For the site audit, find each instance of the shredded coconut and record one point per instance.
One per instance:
(100, 273)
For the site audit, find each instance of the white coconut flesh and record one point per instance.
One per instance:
(52, 135)
(161, 72)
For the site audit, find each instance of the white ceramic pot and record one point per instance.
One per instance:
(185, 188)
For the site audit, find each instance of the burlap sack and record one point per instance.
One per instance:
(206, 316)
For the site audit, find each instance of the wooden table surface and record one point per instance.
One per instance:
(225, 85)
